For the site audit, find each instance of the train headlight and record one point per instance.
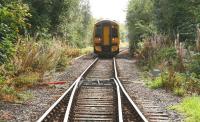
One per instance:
(97, 40)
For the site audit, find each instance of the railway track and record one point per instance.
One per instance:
(96, 95)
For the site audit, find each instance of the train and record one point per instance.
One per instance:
(106, 38)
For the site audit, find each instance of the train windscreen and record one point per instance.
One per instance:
(98, 32)
(114, 33)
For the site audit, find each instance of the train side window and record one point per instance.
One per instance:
(98, 32)
(114, 32)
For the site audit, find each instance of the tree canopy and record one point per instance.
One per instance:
(166, 17)
(68, 20)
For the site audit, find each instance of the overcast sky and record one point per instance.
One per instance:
(109, 9)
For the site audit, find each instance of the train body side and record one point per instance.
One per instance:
(106, 38)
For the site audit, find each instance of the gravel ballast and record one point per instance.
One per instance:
(133, 82)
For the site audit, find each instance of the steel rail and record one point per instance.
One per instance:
(126, 94)
(65, 93)
(120, 116)
(67, 113)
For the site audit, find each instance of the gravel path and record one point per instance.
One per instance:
(44, 96)
(133, 82)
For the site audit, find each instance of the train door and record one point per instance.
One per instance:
(106, 38)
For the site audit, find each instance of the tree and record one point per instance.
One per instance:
(140, 21)
(12, 22)
(177, 16)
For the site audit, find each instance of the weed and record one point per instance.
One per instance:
(156, 83)
(190, 106)
(62, 62)
(26, 80)
(86, 50)
(8, 93)
(179, 91)
(8, 90)
(23, 96)
(2, 80)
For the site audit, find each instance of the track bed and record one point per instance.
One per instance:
(96, 101)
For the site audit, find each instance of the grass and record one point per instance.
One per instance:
(190, 107)
(156, 83)
(179, 91)
(23, 96)
(30, 62)
(86, 50)
(26, 80)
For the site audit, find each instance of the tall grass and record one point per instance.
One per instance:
(190, 107)
(180, 72)
(30, 62)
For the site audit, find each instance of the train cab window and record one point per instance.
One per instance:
(114, 33)
(98, 32)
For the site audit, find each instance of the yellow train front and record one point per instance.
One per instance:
(106, 38)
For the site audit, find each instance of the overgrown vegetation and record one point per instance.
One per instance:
(39, 36)
(190, 107)
(146, 18)
(163, 35)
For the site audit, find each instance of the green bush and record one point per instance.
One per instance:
(194, 65)
(2, 80)
(8, 90)
(62, 62)
(156, 83)
(12, 22)
(26, 80)
(179, 91)
(167, 54)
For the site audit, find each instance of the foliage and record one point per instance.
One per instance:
(86, 50)
(194, 65)
(179, 91)
(39, 36)
(166, 59)
(12, 21)
(167, 17)
(69, 20)
(152, 56)
(30, 62)
(190, 107)
(7, 93)
(156, 83)
(180, 16)
(139, 21)
(26, 80)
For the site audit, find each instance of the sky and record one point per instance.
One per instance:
(109, 9)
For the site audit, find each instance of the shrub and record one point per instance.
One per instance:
(2, 80)
(62, 62)
(8, 93)
(12, 22)
(167, 54)
(86, 50)
(179, 91)
(156, 83)
(26, 80)
(72, 52)
(194, 65)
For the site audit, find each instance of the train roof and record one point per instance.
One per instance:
(106, 21)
